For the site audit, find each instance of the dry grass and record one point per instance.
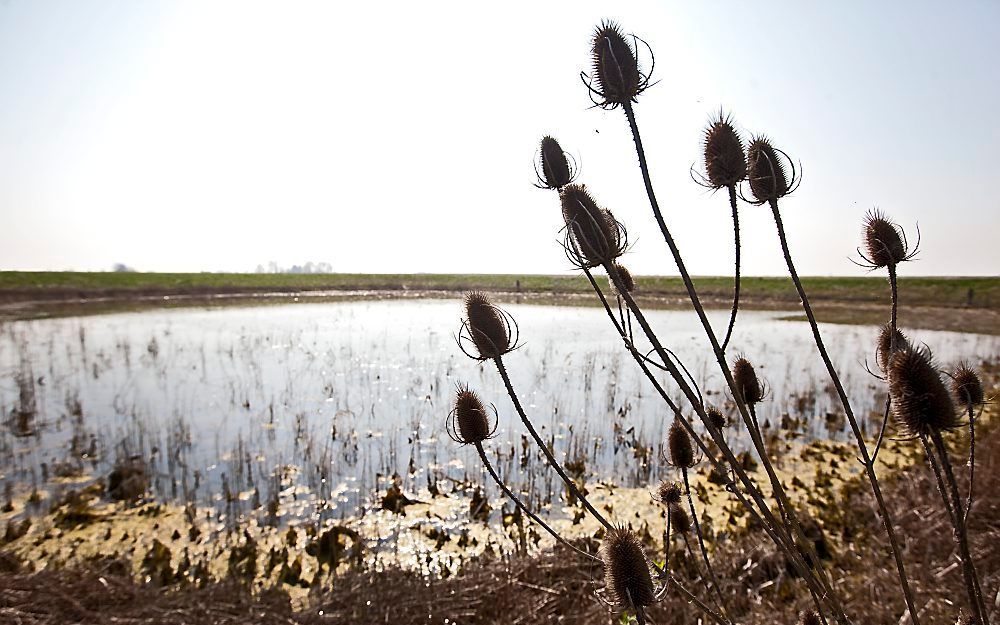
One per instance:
(556, 587)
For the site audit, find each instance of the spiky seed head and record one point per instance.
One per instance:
(556, 170)
(679, 445)
(747, 385)
(920, 402)
(626, 277)
(884, 347)
(883, 241)
(626, 570)
(471, 423)
(616, 68)
(487, 327)
(715, 417)
(766, 171)
(669, 492)
(966, 386)
(593, 229)
(810, 618)
(679, 519)
(964, 619)
(725, 160)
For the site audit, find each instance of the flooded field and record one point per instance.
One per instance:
(311, 414)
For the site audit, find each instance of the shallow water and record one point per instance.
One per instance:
(313, 405)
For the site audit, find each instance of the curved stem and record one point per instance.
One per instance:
(570, 484)
(517, 501)
(894, 290)
(712, 580)
(961, 532)
(693, 599)
(869, 465)
(736, 276)
(972, 458)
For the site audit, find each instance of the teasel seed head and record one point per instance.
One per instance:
(725, 159)
(966, 386)
(715, 417)
(810, 618)
(616, 78)
(469, 421)
(884, 242)
(490, 329)
(883, 349)
(668, 492)
(593, 235)
(920, 402)
(627, 579)
(679, 445)
(557, 168)
(626, 277)
(747, 385)
(679, 519)
(770, 173)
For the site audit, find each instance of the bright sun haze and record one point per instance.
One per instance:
(191, 136)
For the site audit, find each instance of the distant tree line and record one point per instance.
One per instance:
(310, 267)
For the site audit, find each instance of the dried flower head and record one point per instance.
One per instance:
(557, 167)
(679, 519)
(725, 159)
(593, 235)
(490, 329)
(748, 387)
(884, 241)
(810, 618)
(884, 347)
(616, 79)
(920, 402)
(716, 419)
(966, 386)
(770, 173)
(469, 422)
(627, 580)
(679, 445)
(668, 492)
(626, 277)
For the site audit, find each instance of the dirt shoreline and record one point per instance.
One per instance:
(22, 304)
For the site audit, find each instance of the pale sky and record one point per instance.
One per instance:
(399, 137)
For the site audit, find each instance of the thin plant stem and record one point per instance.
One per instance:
(961, 533)
(570, 484)
(938, 478)
(517, 501)
(869, 465)
(701, 543)
(736, 275)
(972, 457)
(829, 593)
(894, 291)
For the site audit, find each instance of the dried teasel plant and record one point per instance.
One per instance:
(554, 168)
(628, 583)
(616, 78)
(725, 168)
(593, 236)
(490, 330)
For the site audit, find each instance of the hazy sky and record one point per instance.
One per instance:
(384, 137)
